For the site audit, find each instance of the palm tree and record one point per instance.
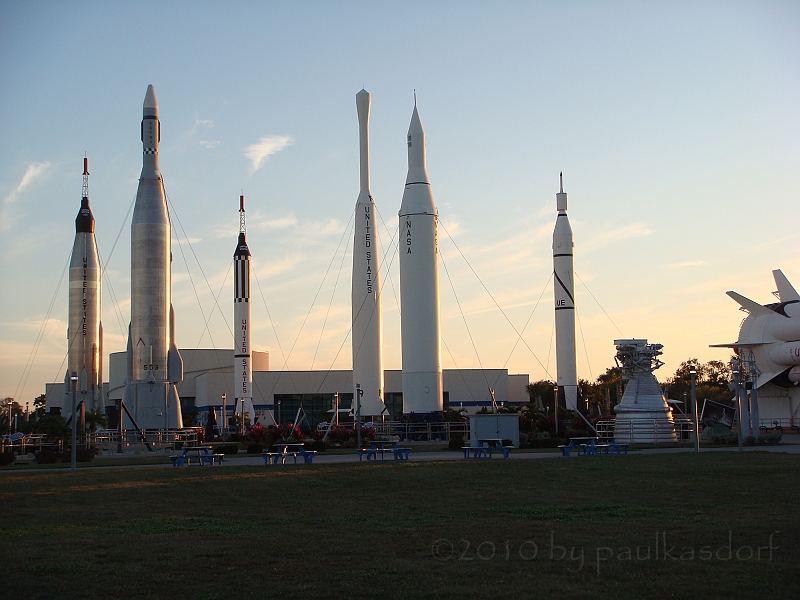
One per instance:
(96, 418)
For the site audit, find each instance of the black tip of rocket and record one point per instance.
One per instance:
(84, 222)
(241, 246)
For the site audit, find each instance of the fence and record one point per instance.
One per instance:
(647, 431)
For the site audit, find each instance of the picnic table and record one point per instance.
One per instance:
(203, 456)
(589, 446)
(384, 447)
(485, 448)
(286, 450)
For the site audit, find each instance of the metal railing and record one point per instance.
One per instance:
(111, 440)
(646, 431)
(422, 431)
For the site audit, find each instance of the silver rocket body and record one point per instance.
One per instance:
(85, 330)
(242, 353)
(367, 336)
(154, 361)
(420, 322)
(564, 296)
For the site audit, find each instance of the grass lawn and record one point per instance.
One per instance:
(457, 529)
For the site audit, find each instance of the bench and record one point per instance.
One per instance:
(402, 453)
(505, 450)
(177, 460)
(476, 452)
(615, 448)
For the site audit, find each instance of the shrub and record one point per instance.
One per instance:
(727, 439)
(6, 458)
(769, 439)
(46, 456)
(457, 441)
(226, 449)
(316, 445)
(84, 454)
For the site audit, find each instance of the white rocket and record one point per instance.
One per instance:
(154, 363)
(772, 333)
(564, 292)
(367, 337)
(420, 325)
(242, 355)
(85, 330)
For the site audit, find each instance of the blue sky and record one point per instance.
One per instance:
(676, 126)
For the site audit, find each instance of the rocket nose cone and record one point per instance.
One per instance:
(150, 101)
(363, 91)
(415, 128)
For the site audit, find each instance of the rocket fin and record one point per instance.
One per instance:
(786, 291)
(754, 308)
(174, 360)
(736, 345)
(174, 364)
(765, 378)
(129, 358)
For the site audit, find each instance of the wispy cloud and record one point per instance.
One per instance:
(267, 224)
(688, 263)
(611, 236)
(33, 171)
(272, 144)
(209, 144)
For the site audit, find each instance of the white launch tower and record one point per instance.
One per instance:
(367, 338)
(420, 322)
(85, 329)
(564, 292)
(154, 363)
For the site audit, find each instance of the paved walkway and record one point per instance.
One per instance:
(326, 459)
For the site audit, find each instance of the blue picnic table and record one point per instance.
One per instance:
(384, 447)
(589, 446)
(202, 455)
(289, 450)
(485, 448)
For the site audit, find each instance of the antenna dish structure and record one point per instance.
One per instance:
(643, 416)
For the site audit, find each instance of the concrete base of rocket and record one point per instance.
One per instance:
(153, 405)
(643, 415)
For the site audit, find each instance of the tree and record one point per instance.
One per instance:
(711, 381)
(541, 392)
(96, 418)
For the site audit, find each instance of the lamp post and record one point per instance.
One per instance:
(224, 415)
(738, 405)
(73, 460)
(693, 374)
(555, 406)
(359, 393)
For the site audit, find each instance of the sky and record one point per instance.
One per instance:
(676, 125)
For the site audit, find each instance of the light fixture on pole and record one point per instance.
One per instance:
(555, 406)
(359, 393)
(738, 404)
(693, 374)
(224, 415)
(73, 461)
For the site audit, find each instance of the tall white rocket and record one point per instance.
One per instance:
(85, 330)
(154, 363)
(367, 335)
(564, 291)
(242, 354)
(420, 327)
